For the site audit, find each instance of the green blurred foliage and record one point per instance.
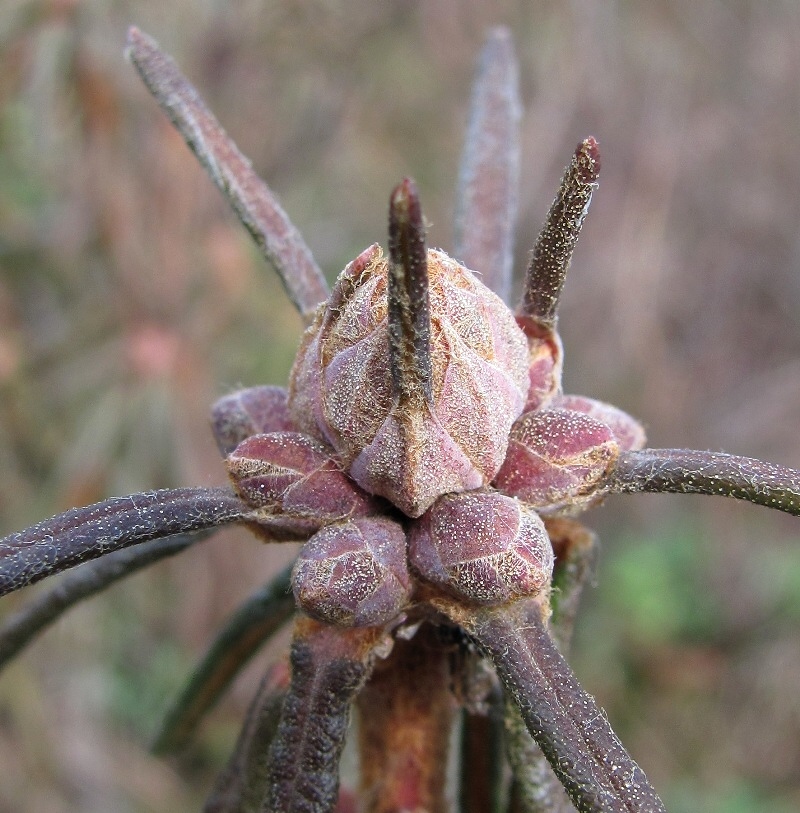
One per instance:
(130, 299)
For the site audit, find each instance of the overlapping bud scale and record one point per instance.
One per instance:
(341, 387)
(558, 456)
(294, 485)
(482, 546)
(354, 573)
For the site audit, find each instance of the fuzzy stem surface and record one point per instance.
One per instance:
(81, 534)
(572, 731)
(690, 471)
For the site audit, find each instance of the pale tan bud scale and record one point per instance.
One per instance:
(411, 453)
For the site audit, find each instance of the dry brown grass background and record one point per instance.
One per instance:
(130, 300)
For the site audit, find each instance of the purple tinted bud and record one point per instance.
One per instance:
(628, 432)
(483, 547)
(354, 574)
(412, 452)
(253, 411)
(556, 458)
(545, 362)
(295, 483)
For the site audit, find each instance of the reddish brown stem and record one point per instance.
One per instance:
(687, 471)
(81, 534)
(329, 667)
(252, 200)
(409, 308)
(406, 714)
(488, 179)
(482, 762)
(572, 731)
(556, 242)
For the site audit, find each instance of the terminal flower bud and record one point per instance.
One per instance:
(253, 411)
(411, 449)
(483, 547)
(556, 457)
(354, 574)
(295, 484)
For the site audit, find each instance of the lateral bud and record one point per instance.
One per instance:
(483, 547)
(253, 411)
(556, 459)
(354, 574)
(295, 485)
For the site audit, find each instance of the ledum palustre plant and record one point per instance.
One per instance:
(427, 456)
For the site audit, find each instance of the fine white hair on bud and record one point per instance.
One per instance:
(483, 547)
(412, 452)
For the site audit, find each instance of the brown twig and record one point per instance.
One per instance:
(406, 712)
(483, 775)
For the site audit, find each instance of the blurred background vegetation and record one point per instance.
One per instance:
(130, 299)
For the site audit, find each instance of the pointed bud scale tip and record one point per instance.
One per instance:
(483, 547)
(587, 160)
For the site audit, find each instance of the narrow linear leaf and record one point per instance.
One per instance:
(488, 178)
(536, 789)
(553, 250)
(242, 785)
(258, 618)
(329, 667)
(408, 302)
(81, 534)
(572, 731)
(689, 471)
(252, 200)
(17, 631)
